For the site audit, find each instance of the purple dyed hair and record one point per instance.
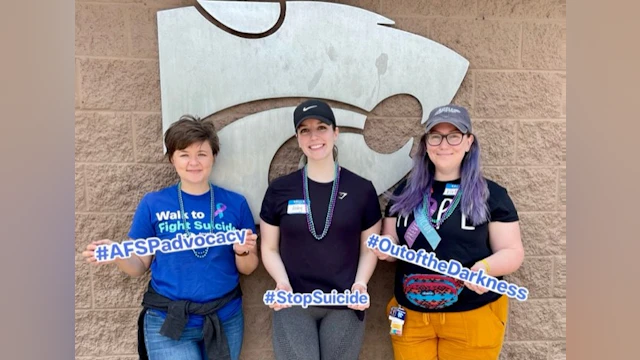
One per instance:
(472, 184)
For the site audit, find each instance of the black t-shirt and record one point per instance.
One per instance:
(332, 262)
(420, 289)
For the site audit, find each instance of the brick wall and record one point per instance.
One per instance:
(515, 91)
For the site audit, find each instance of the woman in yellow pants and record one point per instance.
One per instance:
(447, 207)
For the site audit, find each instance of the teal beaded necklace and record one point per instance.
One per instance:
(332, 202)
(450, 209)
(199, 255)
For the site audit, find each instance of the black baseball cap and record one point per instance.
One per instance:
(452, 114)
(313, 109)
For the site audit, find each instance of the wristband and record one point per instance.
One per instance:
(486, 264)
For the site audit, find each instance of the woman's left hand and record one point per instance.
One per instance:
(473, 287)
(363, 290)
(249, 243)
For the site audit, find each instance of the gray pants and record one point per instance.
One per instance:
(316, 334)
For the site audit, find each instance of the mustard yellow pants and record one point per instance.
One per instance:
(468, 335)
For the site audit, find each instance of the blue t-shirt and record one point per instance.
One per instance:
(181, 275)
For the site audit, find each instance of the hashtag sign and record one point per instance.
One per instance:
(372, 242)
(269, 297)
(101, 253)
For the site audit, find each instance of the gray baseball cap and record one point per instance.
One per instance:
(452, 114)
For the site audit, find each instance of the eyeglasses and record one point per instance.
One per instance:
(454, 138)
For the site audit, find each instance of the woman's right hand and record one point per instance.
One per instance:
(285, 287)
(89, 253)
(380, 255)
(389, 232)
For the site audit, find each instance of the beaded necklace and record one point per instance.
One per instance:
(199, 255)
(332, 203)
(450, 209)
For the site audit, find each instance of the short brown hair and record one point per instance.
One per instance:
(189, 130)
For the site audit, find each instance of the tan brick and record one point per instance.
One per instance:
(518, 94)
(383, 200)
(255, 285)
(402, 105)
(542, 143)
(535, 275)
(167, 4)
(76, 84)
(558, 351)
(497, 141)
(564, 95)
(377, 312)
(100, 30)
(256, 354)
(114, 289)
(455, 8)
(386, 135)
(148, 138)
(524, 351)
(486, 44)
(537, 320)
(106, 332)
(119, 84)
(539, 9)
(377, 326)
(563, 189)
(111, 1)
(103, 137)
(378, 351)
(506, 330)
(371, 5)
(543, 233)
(544, 46)
(560, 284)
(83, 284)
(257, 320)
(464, 96)
(531, 189)
(154, 3)
(415, 25)
(80, 191)
(377, 344)
(144, 31)
(380, 285)
(120, 187)
(92, 227)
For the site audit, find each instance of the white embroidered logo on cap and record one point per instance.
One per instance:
(304, 109)
(447, 109)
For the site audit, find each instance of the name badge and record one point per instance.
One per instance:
(296, 207)
(397, 316)
(451, 189)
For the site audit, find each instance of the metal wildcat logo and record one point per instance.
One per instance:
(321, 50)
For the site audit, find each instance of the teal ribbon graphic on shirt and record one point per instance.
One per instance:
(220, 208)
(422, 220)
